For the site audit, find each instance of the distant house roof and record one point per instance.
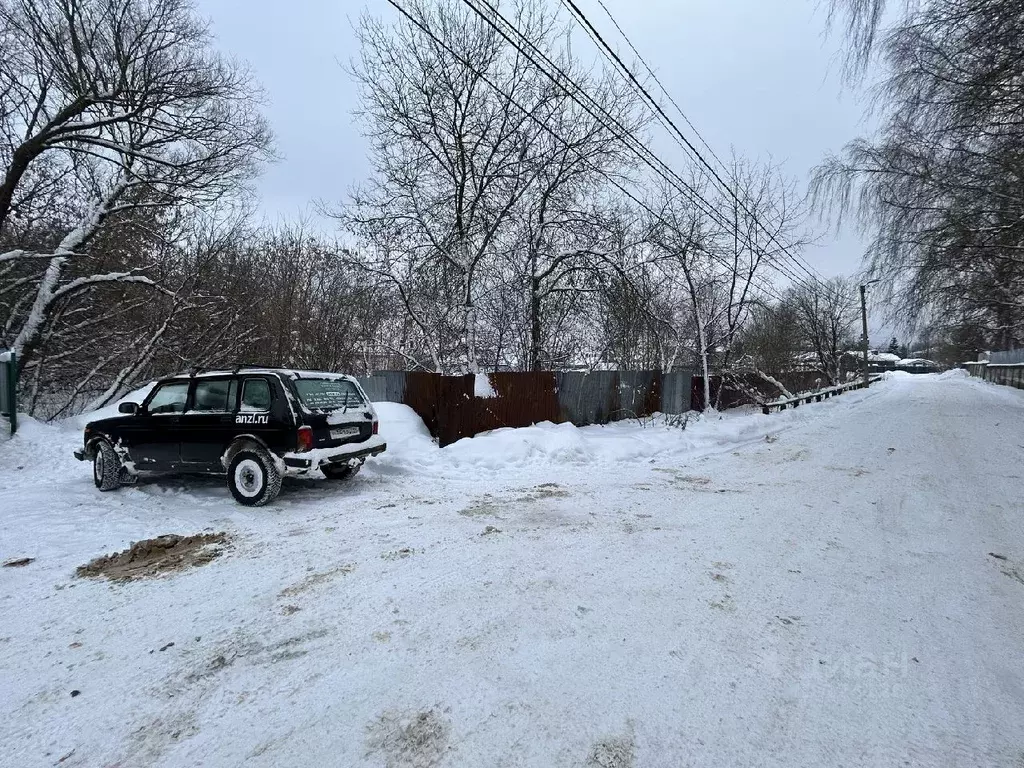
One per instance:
(874, 356)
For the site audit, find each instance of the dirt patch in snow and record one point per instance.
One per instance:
(490, 506)
(314, 579)
(153, 557)
(617, 752)
(410, 739)
(544, 491)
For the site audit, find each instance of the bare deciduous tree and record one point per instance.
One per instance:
(826, 312)
(112, 113)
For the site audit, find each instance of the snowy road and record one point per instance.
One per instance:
(841, 586)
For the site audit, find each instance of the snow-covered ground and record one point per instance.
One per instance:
(810, 588)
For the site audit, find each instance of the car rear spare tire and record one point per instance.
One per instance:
(253, 477)
(106, 466)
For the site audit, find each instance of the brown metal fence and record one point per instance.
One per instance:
(450, 410)
(521, 399)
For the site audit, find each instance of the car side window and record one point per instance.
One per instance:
(255, 396)
(168, 398)
(214, 396)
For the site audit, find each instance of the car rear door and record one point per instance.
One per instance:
(337, 411)
(153, 435)
(265, 413)
(208, 425)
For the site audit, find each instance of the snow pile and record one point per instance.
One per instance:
(410, 446)
(401, 426)
(953, 373)
(543, 445)
(109, 411)
(482, 387)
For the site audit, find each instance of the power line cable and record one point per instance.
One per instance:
(678, 108)
(483, 76)
(632, 142)
(607, 51)
(662, 87)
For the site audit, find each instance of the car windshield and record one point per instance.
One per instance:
(328, 394)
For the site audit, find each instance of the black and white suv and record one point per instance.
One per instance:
(254, 424)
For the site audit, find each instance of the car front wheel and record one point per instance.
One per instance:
(106, 467)
(253, 478)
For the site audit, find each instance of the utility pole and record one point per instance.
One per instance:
(864, 323)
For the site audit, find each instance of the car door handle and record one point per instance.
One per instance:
(174, 420)
(226, 419)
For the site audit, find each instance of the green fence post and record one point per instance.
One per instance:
(12, 371)
(10, 386)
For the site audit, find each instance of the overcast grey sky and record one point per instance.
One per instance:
(758, 76)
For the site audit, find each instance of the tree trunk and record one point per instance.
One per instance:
(535, 329)
(20, 160)
(469, 331)
(705, 370)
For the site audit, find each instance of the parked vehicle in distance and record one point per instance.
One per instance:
(253, 424)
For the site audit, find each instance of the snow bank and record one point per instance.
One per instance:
(411, 449)
(109, 411)
(401, 425)
(953, 373)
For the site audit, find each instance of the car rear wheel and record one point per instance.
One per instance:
(340, 471)
(253, 478)
(106, 466)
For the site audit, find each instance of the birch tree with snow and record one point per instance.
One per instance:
(683, 237)
(113, 114)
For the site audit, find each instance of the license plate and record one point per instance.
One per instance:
(341, 433)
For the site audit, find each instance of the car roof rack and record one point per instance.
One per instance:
(242, 366)
(228, 368)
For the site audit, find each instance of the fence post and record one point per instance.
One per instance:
(9, 389)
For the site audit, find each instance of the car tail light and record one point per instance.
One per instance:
(376, 427)
(305, 442)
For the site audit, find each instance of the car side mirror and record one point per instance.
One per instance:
(130, 408)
